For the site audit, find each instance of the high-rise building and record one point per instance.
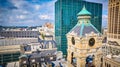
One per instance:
(65, 18)
(113, 36)
(112, 48)
(114, 20)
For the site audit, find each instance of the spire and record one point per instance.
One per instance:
(84, 7)
(84, 12)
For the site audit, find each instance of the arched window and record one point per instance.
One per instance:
(101, 59)
(72, 57)
(105, 64)
(73, 40)
(109, 65)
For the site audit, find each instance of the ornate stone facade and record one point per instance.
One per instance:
(114, 20)
(84, 43)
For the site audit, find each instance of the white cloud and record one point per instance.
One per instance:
(28, 13)
(104, 20)
(25, 12)
(16, 3)
(105, 16)
(37, 7)
(21, 17)
(44, 17)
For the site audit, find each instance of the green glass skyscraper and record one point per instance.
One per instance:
(65, 18)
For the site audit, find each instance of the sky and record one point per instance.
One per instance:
(34, 12)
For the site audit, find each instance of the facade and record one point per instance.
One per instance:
(9, 53)
(10, 41)
(49, 25)
(112, 47)
(19, 34)
(111, 61)
(8, 57)
(16, 41)
(104, 42)
(33, 47)
(41, 54)
(84, 43)
(114, 20)
(10, 48)
(47, 29)
(37, 59)
(65, 18)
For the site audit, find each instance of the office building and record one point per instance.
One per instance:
(19, 34)
(112, 58)
(65, 18)
(114, 20)
(16, 41)
(113, 35)
(10, 41)
(10, 48)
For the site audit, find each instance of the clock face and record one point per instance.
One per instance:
(91, 42)
(73, 40)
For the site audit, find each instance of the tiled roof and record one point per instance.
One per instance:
(82, 29)
(43, 53)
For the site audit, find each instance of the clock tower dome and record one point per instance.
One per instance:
(84, 43)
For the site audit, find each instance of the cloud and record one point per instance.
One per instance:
(105, 16)
(32, 12)
(7, 4)
(28, 13)
(44, 17)
(21, 17)
(37, 7)
(104, 20)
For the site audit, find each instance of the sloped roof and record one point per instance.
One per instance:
(23, 56)
(47, 42)
(43, 53)
(84, 25)
(84, 12)
(82, 29)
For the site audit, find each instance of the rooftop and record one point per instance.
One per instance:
(82, 29)
(115, 58)
(84, 25)
(84, 12)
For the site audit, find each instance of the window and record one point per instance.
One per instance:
(42, 59)
(33, 60)
(109, 65)
(24, 62)
(101, 59)
(33, 65)
(73, 40)
(105, 64)
(24, 66)
(51, 58)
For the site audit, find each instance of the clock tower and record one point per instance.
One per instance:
(84, 43)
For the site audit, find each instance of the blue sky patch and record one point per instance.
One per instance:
(34, 12)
